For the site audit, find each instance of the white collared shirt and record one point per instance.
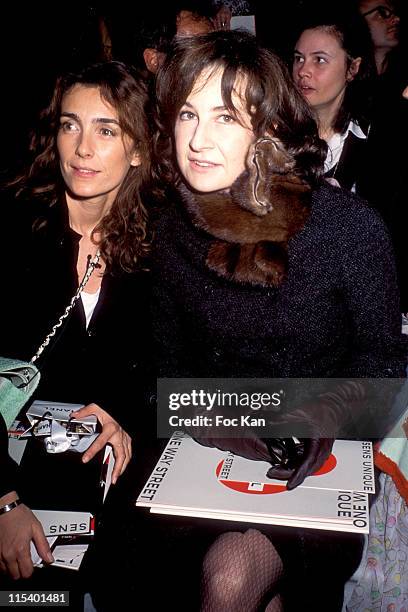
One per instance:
(336, 144)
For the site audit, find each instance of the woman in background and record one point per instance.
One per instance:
(331, 67)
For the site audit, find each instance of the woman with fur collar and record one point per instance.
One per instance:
(262, 270)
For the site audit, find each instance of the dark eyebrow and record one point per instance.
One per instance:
(105, 120)
(320, 52)
(96, 120)
(314, 53)
(215, 108)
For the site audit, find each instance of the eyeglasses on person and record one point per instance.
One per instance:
(384, 12)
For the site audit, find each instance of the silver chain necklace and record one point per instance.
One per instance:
(94, 263)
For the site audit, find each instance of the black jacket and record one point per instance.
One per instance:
(337, 313)
(383, 172)
(347, 171)
(106, 363)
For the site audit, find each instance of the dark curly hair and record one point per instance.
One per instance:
(272, 100)
(124, 240)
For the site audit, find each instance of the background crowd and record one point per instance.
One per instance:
(39, 42)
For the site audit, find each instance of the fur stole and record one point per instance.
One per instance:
(267, 205)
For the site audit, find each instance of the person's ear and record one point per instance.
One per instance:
(353, 68)
(135, 159)
(152, 59)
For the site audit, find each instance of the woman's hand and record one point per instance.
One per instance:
(318, 424)
(18, 528)
(316, 452)
(113, 434)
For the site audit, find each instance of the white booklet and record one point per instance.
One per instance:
(189, 480)
(68, 556)
(63, 523)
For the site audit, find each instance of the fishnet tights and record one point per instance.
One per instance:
(239, 571)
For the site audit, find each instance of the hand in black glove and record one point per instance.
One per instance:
(317, 425)
(287, 462)
(315, 453)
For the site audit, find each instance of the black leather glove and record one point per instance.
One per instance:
(317, 424)
(315, 452)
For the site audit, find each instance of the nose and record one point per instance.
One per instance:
(201, 137)
(84, 146)
(405, 93)
(303, 69)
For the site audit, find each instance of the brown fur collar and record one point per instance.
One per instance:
(251, 225)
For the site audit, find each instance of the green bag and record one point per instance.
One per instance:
(18, 381)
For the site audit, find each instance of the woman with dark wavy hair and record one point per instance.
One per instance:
(79, 202)
(120, 232)
(262, 269)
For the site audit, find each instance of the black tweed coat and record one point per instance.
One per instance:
(336, 314)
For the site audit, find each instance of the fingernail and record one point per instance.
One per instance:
(85, 459)
(50, 558)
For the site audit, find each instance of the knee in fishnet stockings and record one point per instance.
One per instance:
(239, 570)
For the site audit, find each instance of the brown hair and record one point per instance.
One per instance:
(272, 101)
(124, 239)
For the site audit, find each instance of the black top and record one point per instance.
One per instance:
(347, 171)
(383, 172)
(337, 314)
(105, 363)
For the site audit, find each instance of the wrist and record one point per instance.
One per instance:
(8, 498)
(8, 507)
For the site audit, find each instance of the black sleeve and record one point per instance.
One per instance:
(372, 298)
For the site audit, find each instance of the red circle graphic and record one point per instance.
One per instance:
(269, 489)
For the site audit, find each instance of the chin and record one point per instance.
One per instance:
(79, 193)
(206, 181)
(208, 188)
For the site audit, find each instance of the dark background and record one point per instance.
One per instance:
(39, 41)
